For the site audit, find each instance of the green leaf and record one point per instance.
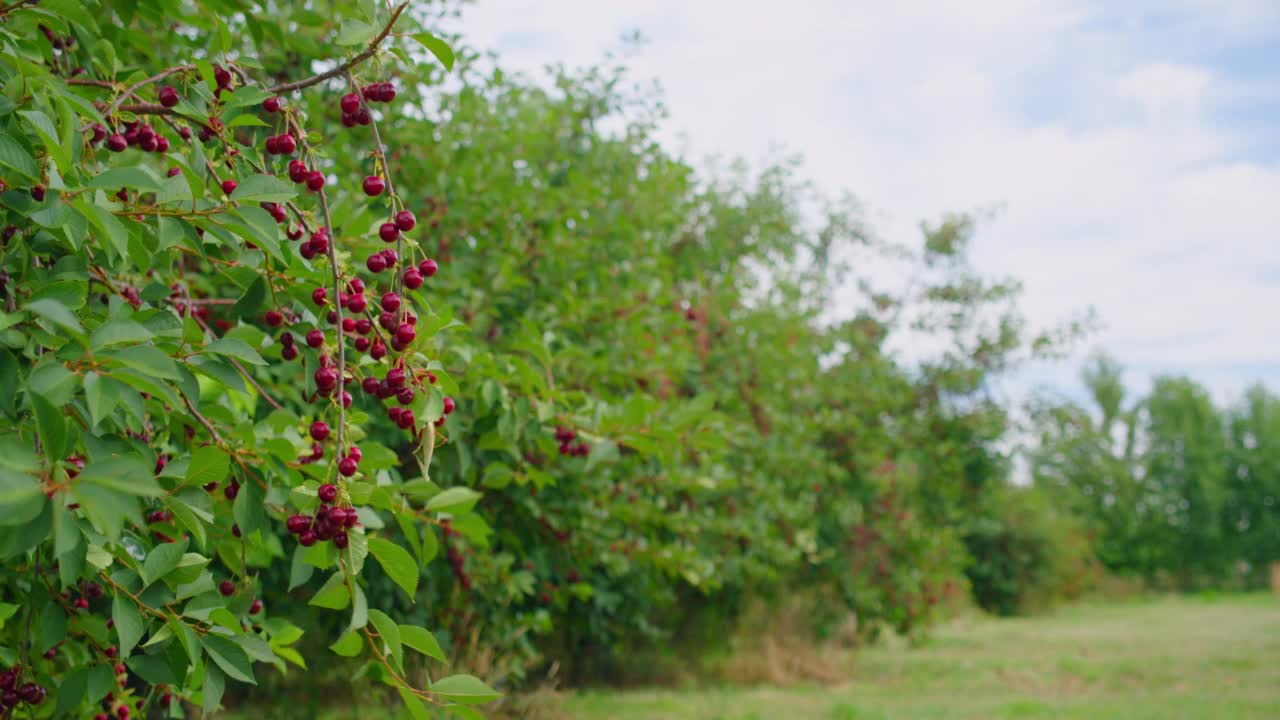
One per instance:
(437, 47)
(422, 640)
(299, 570)
(149, 360)
(98, 396)
(397, 563)
(263, 188)
(44, 127)
(333, 594)
(238, 349)
(248, 509)
(16, 157)
(208, 464)
(464, 689)
(229, 656)
(349, 645)
(389, 632)
(138, 178)
(53, 427)
(128, 621)
(250, 304)
(118, 331)
(107, 224)
(126, 473)
(417, 710)
(359, 609)
(455, 499)
(20, 498)
(73, 688)
(215, 684)
(355, 32)
(162, 560)
(106, 509)
(56, 313)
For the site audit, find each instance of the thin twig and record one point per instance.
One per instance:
(343, 67)
(115, 105)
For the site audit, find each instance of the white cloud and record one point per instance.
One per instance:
(1095, 125)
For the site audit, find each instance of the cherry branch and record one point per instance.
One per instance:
(351, 62)
(381, 154)
(115, 105)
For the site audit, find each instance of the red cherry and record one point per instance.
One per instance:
(319, 430)
(227, 588)
(319, 296)
(396, 378)
(386, 92)
(350, 103)
(390, 302)
(315, 181)
(412, 279)
(378, 351)
(271, 104)
(376, 263)
(373, 186)
(328, 492)
(388, 232)
(273, 145)
(315, 338)
(363, 326)
(229, 186)
(347, 466)
(428, 267)
(255, 607)
(405, 333)
(369, 385)
(357, 303)
(348, 324)
(356, 286)
(117, 143)
(298, 523)
(221, 76)
(286, 338)
(405, 220)
(298, 171)
(405, 396)
(289, 352)
(273, 318)
(326, 379)
(363, 117)
(341, 540)
(449, 405)
(232, 490)
(286, 145)
(168, 96)
(307, 538)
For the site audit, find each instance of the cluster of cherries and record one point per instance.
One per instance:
(330, 522)
(136, 134)
(355, 113)
(122, 711)
(566, 436)
(12, 694)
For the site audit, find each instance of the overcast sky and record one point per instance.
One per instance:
(1132, 146)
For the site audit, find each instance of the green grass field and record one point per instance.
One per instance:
(1173, 658)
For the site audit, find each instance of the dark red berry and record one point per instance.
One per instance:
(255, 607)
(376, 263)
(315, 338)
(298, 523)
(328, 492)
(227, 588)
(315, 181)
(221, 76)
(307, 538)
(378, 351)
(405, 220)
(117, 143)
(341, 540)
(168, 96)
(412, 279)
(449, 405)
(388, 232)
(289, 352)
(395, 378)
(298, 171)
(231, 491)
(373, 186)
(405, 396)
(347, 466)
(319, 431)
(405, 333)
(350, 103)
(37, 193)
(271, 104)
(390, 302)
(319, 296)
(273, 318)
(286, 145)
(428, 267)
(229, 186)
